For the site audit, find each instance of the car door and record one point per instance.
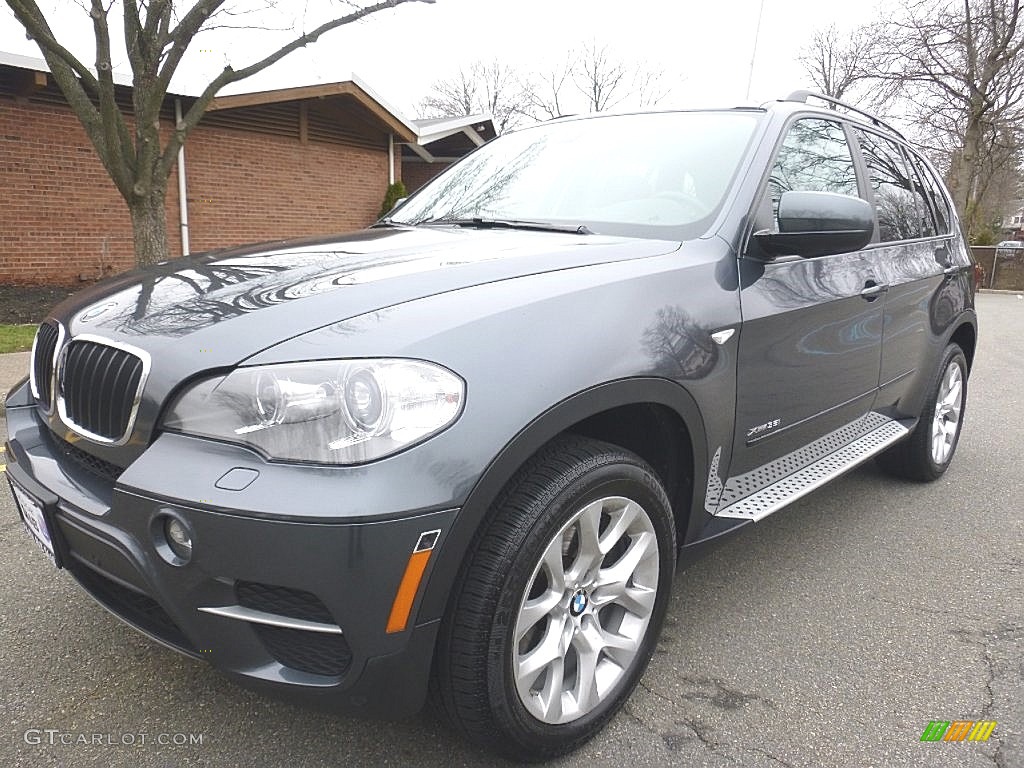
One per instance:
(916, 255)
(810, 344)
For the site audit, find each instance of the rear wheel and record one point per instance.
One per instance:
(927, 453)
(561, 603)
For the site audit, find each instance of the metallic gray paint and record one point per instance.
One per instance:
(547, 329)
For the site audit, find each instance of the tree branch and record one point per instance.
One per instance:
(27, 12)
(115, 132)
(230, 75)
(74, 77)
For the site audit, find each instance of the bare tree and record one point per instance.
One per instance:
(595, 74)
(649, 86)
(837, 61)
(501, 94)
(489, 87)
(1000, 179)
(600, 76)
(453, 97)
(959, 65)
(157, 33)
(545, 90)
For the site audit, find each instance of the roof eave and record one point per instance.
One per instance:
(398, 125)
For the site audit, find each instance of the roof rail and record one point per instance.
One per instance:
(802, 96)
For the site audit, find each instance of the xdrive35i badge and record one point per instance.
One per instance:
(762, 429)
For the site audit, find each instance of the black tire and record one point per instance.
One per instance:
(912, 458)
(474, 681)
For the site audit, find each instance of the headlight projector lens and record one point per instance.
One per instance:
(364, 400)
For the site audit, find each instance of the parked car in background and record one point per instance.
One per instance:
(465, 450)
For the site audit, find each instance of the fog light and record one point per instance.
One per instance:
(178, 538)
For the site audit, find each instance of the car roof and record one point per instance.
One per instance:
(796, 102)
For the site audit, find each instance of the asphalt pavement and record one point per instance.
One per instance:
(13, 368)
(829, 634)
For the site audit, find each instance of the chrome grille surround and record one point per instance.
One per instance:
(123, 409)
(41, 372)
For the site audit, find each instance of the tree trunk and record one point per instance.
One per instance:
(149, 227)
(967, 175)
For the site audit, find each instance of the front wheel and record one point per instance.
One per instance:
(927, 453)
(561, 603)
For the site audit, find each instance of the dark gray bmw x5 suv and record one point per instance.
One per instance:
(465, 450)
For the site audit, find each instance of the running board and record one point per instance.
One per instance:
(788, 489)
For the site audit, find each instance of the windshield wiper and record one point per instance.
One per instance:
(536, 226)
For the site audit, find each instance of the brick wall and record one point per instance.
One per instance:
(245, 187)
(416, 173)
(62, 220)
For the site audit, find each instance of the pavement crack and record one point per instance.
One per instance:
(658, 693)
(704, 735)
(983, 639)
(772, 757)
(673, 741)
(711, 691)
(720, 695)
(628, 711)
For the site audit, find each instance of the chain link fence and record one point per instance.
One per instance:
(1004, 267)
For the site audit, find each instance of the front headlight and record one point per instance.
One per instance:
(329, 412)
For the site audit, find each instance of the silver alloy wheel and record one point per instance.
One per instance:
(585, 613)
(948, 406)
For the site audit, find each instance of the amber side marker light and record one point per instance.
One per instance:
(406, 595)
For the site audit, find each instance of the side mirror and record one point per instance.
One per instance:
(818, 224)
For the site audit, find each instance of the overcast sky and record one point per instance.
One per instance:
(704, 48)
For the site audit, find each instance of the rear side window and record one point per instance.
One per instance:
(895, 200)
(943, 218)
(925, 206)
(814, 157)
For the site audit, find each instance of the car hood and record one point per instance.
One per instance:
(228, 305)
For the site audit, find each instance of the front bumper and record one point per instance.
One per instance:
(301, 606)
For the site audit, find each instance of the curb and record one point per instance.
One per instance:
(1001, 290)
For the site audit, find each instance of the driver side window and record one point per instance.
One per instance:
(814, 157)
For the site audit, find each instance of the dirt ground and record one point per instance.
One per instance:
(28, 304)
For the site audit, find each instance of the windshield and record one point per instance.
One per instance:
(661, 175)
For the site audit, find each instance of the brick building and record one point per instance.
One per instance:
(260, 166)
(439, 143)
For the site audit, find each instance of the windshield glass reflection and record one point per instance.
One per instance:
(654, 175)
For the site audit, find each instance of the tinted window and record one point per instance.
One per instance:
(894, 196)
(925, 204)
(940, 204)
(814, 157)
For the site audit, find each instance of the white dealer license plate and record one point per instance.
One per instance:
(35, 521)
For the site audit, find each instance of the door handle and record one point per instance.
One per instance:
(873, 290)
(949, 271)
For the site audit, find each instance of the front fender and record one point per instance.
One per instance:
(558, 419)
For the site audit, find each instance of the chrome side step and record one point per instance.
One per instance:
(787, 489)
